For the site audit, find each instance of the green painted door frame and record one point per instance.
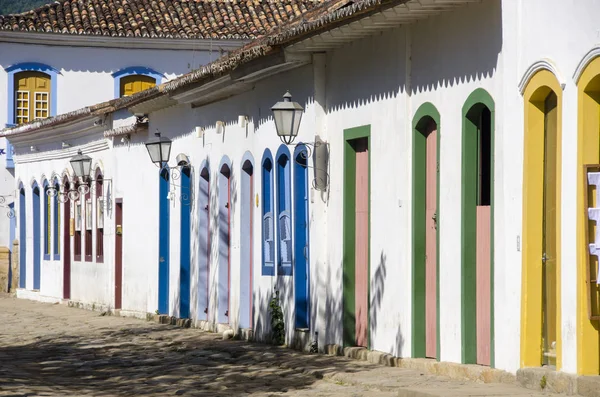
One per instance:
(348, 275)
(474, 104)
(426, 112)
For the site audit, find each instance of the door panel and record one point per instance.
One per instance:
(362, 243)
(246, 248)
(37, 268)
(549, 233)
(301, 273)
(185, 245)
(224, 238)
(118, 254)
(164, 243)
(66, 252)
(203, 245)
(431, 242)
(483, 284)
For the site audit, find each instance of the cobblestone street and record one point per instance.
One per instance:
(54, 350)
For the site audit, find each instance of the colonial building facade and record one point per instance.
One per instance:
(63, 56)
(436, 188)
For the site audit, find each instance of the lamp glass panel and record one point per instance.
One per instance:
(154, 152)
(77, 168)
(165, 151)
(296, 122)
(283, 121)
(86, 167)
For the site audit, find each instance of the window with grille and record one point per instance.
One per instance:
(41, 105)
(22, 107)
(32, 96)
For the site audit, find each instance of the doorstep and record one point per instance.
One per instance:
(559, 382)
(470, 372)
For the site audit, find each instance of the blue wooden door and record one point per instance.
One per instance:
(246, 247)
(22, 239)
(223, 288)
(301, 274)
(163, 243)
(203, 243)
(13, 227)
(36, 238)
(184, 252)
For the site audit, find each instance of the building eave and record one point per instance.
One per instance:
(57, 39)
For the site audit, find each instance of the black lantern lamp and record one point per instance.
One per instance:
(159, 149)
(287, 116)
(82, 165)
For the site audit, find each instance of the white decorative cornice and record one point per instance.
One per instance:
(57, 39)
(59, 154)
(542, 64)
(585, 61)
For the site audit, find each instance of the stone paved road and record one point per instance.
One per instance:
(53, 350)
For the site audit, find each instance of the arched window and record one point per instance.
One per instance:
(204, 241)
(132, 80)
(99, 217)
(268, 225)
(56, 224)
(135, 83)
(31, 92)
(47, 222)
(284, 215)
(32, 95)
(22, 237)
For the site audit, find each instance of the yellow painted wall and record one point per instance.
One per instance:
(538, 88)
(588, 140)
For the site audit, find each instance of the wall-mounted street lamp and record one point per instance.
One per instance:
(82, 165)
(287, 116)
(159, 149)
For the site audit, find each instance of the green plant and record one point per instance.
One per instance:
(543, 382)
(156, 312)
(277, 324)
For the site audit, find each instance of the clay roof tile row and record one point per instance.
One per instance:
(178, 19)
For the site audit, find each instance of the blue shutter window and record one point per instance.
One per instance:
(284, 217)
(268, 226)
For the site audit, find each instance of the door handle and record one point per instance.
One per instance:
(434, 217)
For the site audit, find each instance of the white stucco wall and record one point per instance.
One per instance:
(85, 78)
(441, 60)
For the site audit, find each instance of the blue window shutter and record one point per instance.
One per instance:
(284, 221)
(268, 229)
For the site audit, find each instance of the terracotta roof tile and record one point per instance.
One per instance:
(180, 19)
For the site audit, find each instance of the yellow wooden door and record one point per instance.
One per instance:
(32, 96)
(136, 83)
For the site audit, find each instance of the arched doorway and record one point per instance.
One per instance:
(164, 221)
(37, 265)
(247, 241)
(185, 243)
(425, 241)
(477, 227)
(66, 250)
(224, 239)
(22, 238)
(203, 242)
(301, 238)
(540, 317)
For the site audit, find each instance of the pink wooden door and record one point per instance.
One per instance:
(431, 243)
(483, 284)
(362, 243)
